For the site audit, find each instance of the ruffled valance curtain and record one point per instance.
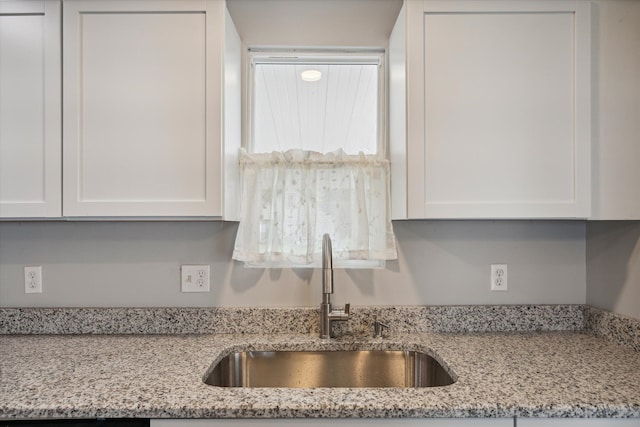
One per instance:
(290, 199)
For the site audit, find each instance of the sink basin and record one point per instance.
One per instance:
(311, 369)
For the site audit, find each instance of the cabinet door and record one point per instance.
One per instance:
(577, 422)
(348, 422)
(498, 109)
(142, 107)
(30, 106)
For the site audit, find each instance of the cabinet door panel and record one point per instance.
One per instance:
(143, 121)
(499, 123)
(487, 147)
(143, 92)
(30, 109)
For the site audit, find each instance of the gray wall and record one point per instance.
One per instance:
(613, 266)
(441, 262)
(138, 264)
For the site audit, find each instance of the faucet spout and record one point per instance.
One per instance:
(328, 315)
(327, 266)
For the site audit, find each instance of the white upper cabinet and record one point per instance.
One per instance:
(30, 109)
(616, 130)
(142, 98)
(498, 109)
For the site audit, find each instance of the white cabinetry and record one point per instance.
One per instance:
(348, 422)
(30, 106)
(616, 130)
(143, 107)
(498, 109)
(577, 422)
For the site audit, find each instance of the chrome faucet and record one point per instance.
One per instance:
(327, 314)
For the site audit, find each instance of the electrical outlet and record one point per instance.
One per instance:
(195, 278)
(33, 279)
(499, 277)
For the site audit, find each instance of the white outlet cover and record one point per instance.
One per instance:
(195, 278)
(33, 279)
(499, 277)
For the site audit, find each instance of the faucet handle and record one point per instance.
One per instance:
(347, 307)
(378, 328)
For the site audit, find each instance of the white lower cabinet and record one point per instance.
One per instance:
(349, 422)
(577, 422)
(402, 422)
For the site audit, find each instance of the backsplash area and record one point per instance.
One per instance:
(137, 264)
(301, 320)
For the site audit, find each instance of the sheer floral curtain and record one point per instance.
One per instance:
(290, 199)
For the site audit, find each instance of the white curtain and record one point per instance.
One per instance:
(290, 199)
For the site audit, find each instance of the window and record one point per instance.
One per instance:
(318, 103)
(315, 161)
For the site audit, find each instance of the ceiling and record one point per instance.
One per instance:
(314, 22)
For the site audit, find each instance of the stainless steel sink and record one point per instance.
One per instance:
(311, 369)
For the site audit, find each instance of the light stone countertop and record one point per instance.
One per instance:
(499, 374)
